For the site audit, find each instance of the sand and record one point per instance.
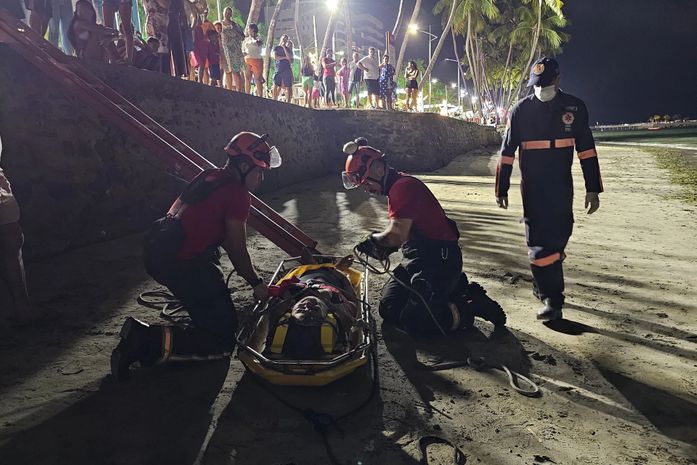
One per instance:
(618, 378)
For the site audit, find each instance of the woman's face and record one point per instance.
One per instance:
(251, 32)
(385, 60)
(227, 13)
(219, 27)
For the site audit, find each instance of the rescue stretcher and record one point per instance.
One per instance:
(258, 348)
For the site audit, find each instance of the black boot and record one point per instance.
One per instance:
(138, 344)
(549, 312)
(549, 281)
(484, 306)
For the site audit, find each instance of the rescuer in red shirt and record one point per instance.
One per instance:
(545, 127)
(181, 252)
(432, 260)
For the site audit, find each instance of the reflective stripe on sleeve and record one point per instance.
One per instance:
(587, 154)
(536, 144)
(507, 160)
(166, 343)
(559, 143)
(546, 261)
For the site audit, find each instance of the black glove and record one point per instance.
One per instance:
(370, 247)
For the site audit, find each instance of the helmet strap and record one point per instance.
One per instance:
(389, 179)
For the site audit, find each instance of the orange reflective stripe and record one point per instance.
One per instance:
(587, 154)
(546, 261)
(507, 160)
(536, 144)
(564, 142)
(166, 343)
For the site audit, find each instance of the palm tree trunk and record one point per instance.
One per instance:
(398, 22)
(502, 85)
(533, 47)
(349, 32)
(269, 37)
(471, 59)
(405, 41)
(445, 33)
(254, 12)
(328, 33)
(296, 22)
(463, 75)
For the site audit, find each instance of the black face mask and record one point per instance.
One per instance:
(389, 179)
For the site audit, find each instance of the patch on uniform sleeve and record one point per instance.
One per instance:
(538, 69)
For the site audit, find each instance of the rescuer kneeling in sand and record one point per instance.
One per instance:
(429, 293)
(181, 252)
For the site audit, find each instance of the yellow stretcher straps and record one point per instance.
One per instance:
(327, 336)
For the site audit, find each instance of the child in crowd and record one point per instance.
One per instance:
(343, 74)
(315, 91)
(89, 39)
(214, 57)
(307, 71)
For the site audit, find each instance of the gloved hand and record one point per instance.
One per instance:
(592, 200)
(502, 201)
(370, 247)
(261, 292)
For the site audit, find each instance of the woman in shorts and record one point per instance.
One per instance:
(411, 77)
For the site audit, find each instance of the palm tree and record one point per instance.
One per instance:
(446, 31)
(296, 22)
(398, 22)
(269, 37)
(470, 20)
(405, 41)
(330, 30)
(349, 30)
(541, 31)
(254, 12)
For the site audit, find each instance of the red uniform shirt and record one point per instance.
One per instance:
(410, 198)
(204, 222)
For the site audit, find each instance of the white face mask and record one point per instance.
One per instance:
(545, 94)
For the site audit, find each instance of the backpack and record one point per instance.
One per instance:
(166, 235)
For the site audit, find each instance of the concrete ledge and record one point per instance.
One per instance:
(80, 180)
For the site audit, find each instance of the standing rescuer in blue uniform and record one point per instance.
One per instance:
(545, 127)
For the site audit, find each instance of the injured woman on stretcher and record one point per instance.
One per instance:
(314, 314)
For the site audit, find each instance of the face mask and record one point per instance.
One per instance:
(545, 94)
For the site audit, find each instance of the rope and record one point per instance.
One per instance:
(385, 269)
(480, 364)
(324, 422)
(459, 458)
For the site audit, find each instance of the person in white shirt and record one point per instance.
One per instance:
(355, 78)
(12, 276)
(371, 69)
(251, 49)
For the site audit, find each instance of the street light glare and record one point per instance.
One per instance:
(434, 80)
(453, 85)
(413, 28)
(332, 5)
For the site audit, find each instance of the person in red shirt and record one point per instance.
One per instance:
(181, 252)
(329, 75)
(429, 293)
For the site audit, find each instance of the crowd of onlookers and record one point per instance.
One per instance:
(181, 41)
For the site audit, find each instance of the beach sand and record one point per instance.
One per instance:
(618, 377)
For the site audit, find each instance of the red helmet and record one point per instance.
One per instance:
(256, 148)
(358, 166)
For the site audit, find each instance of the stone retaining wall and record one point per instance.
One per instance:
(80, 180)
